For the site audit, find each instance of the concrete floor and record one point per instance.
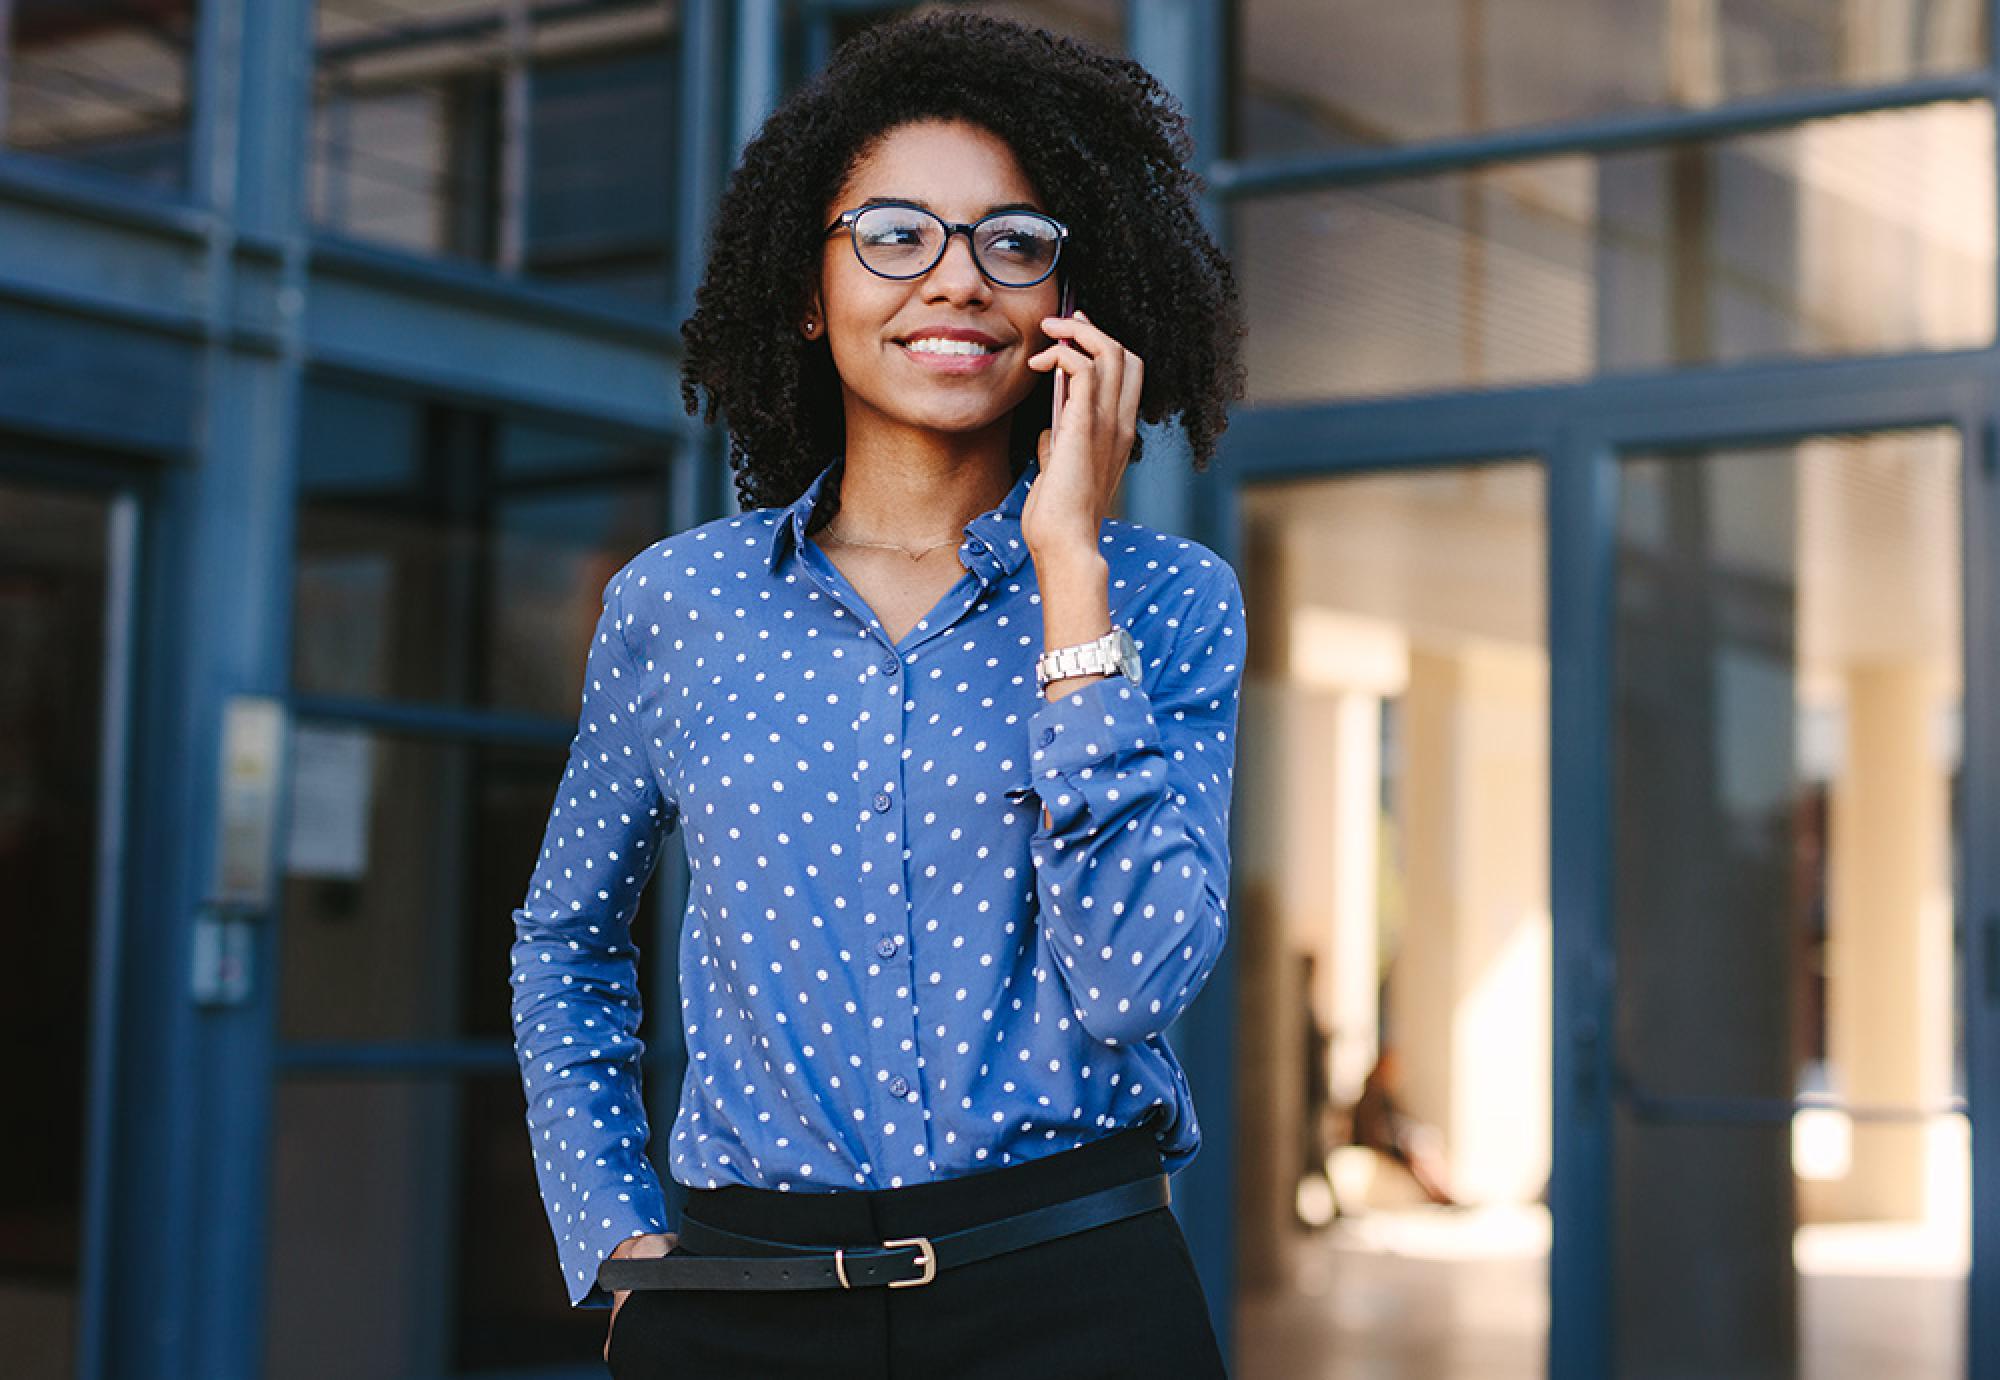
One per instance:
(1429, 1294)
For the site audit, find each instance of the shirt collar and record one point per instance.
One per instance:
(996, 550)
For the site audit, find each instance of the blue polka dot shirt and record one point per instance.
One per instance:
(936, 923)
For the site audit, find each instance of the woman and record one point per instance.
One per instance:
(944, 897)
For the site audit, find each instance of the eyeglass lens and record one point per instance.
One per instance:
(902, 242)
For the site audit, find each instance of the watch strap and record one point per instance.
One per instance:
(1099, 656)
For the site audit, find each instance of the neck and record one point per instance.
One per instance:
(920, 490)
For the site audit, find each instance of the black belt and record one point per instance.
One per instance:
(900, 1264)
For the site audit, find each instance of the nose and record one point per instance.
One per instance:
(956, 273)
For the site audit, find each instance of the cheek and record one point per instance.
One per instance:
(1044, 306)
(858, 304)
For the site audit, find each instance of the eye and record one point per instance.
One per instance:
(1021, 241)
(893, 225)
(891, 234)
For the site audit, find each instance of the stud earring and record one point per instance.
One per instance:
(812, 326)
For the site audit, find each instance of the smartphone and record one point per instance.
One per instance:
(1061, 380)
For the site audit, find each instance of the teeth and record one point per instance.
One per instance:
(937, 345)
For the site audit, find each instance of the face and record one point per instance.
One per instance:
(961, 172)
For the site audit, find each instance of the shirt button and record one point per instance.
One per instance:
(899, 1086)
(891, 664)
(887, 948)
(1048, 736)
(881, 801)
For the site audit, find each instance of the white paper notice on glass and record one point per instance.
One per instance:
(332, 775)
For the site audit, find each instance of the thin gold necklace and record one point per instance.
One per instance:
(916, 555)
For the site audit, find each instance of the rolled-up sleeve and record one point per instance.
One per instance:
(1132, 856)
(575, 976)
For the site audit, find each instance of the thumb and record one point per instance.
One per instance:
(1042, 444)
(647, 1246)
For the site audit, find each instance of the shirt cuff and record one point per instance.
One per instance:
(605, 1228)
(1084, 748)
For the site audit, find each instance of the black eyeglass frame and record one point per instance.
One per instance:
(846, 219)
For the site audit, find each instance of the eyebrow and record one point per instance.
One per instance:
(919, 201)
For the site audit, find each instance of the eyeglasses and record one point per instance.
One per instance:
(895, 240)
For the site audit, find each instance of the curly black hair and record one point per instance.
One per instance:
(1103, 141)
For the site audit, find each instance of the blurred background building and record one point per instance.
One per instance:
(1620, 769)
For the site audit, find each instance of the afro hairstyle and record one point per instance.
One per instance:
(1103, 141)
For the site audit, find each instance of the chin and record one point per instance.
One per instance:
(961, 423)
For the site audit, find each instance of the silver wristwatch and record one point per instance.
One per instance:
(1115, 653)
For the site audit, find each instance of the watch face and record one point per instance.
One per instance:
(1128, 656)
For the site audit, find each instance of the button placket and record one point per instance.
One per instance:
(885, 733)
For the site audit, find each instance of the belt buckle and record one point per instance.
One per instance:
(926, 1254)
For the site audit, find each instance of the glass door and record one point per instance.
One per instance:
(1790, 1165)
(1393, 950)
(449, 569)
(65, 559)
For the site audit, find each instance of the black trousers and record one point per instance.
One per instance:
(1120, 1300)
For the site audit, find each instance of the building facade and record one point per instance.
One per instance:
(1616, 498)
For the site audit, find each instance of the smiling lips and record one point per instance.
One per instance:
(951, 351)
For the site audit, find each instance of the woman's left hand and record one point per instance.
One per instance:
(1082, 465)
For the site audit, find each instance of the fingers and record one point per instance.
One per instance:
(1130, 386)
(1078, 366)
(1079, 328)
(1120, 372)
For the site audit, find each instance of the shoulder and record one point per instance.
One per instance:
(725, 547)
(1163, 576)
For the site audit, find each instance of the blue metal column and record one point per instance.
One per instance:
(1182, 43)
(759, 63)
(1978, 890)
(709, 130)
(1582, 516)
(1979, 883)
(240, 623)
(190, 1193)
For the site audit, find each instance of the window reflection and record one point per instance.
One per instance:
(1327, 75)
(411, 1202)
(457, 557)
(100, 84)
(1787, 711)
(1395, 945)
(1869, 233)
(538, 139)
(56, 589)
(395, 925)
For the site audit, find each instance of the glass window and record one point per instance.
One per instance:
(539, 140)
(1868, 233)
(600, 209)
(1323, 75)
(457, 557)
(56, 590)
(395, 922)
(100, 84)
(1787, 708)
(1397, 971)
(411, 1203)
